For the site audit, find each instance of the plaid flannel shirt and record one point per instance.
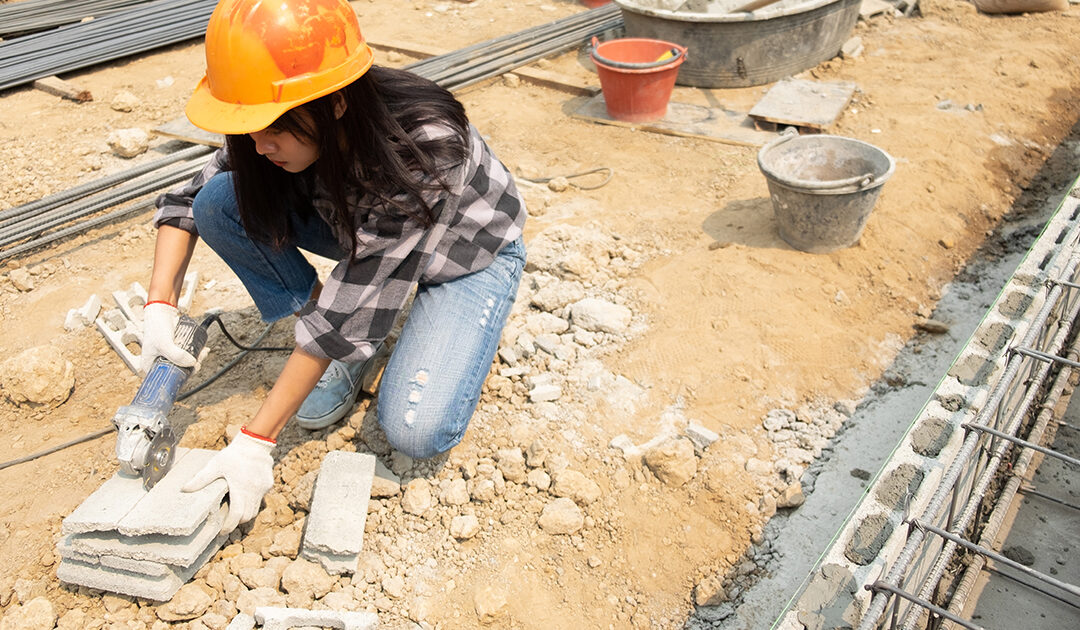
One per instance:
(482, 213)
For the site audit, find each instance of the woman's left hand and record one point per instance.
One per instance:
(246, 466)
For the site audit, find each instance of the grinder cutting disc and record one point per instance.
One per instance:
(159, 457)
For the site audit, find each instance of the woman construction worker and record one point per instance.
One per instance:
(375, 168)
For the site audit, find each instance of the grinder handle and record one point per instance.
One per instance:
(164, 379)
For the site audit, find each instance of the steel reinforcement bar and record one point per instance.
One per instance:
(1009, 403)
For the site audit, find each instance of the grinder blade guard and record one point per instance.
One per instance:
(145, 441)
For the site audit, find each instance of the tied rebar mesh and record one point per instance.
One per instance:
(999, 444)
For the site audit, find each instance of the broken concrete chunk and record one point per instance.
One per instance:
(597, 315)
(84, 316)
(673, 461)
(37, 376)
(127, 143)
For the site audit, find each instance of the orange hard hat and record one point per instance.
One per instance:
(264, 57)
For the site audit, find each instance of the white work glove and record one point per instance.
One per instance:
(246, 466)
(159, 328)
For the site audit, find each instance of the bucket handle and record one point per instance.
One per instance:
(676, 52)
(861, 181)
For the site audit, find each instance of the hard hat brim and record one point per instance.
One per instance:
(206, 112)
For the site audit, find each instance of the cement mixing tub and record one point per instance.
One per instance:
(728, 50)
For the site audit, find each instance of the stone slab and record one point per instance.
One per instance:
(179, 551)
(143, 567)
(167, 510)
(335, 523)
(158, 589)
(813, 104)
(123, 505)
(273, 618)
(687, 120)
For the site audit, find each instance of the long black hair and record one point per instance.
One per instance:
(367, 151)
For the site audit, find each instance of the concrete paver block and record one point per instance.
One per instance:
(123, 505)
(167, 510)
(159, 589)
(118, 332)
(335, 523)
(178, 551)
(187, 291)
(285, 618)
(142, 567)
(131, 302)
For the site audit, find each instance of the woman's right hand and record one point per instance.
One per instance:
(159, 328)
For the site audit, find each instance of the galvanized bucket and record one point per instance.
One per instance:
(823, 188)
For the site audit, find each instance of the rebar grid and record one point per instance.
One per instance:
(1009, 403)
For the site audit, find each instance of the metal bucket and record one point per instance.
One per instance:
(823, 188)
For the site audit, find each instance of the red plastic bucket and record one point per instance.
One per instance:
(635, 80)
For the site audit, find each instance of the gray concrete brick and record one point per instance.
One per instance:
(142, 567)
(335, 564)
(167, 510)
(123, 505)
(159, 589)
(179, 551)
(285, 618)
(335, 523)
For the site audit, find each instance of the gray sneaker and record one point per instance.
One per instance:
(334, 394)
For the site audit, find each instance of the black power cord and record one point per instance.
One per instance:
(206, 322)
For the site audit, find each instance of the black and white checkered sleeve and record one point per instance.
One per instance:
(174, 207)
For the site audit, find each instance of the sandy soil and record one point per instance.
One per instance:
(730, 322)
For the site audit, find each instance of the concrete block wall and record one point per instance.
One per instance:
(875, 534)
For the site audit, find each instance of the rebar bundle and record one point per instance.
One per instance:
(28, 16)
(466, 66)
(138, 29)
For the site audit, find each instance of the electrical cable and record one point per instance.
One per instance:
(568, 178)
(209, 319)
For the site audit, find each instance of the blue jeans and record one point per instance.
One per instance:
(436, 371)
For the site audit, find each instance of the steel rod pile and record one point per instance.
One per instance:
(141, 28)
(469, 65)
(33, 225)
(37, 15)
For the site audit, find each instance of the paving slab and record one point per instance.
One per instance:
(335, 524)
(273, 618)
(123, 505)
(143, 567)
(156, 588)
(179, 551)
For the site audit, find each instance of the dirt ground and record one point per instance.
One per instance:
(730, 322)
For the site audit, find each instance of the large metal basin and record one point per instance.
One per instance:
(728, 50)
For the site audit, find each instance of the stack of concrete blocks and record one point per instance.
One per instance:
(271, 618)
(334, 529)
(124, 539)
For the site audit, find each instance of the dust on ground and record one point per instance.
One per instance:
(729, 323)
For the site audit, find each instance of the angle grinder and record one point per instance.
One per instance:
(146, 443)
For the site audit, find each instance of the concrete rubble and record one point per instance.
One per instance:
(124, 539)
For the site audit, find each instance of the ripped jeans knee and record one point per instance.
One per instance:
(414, 423)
